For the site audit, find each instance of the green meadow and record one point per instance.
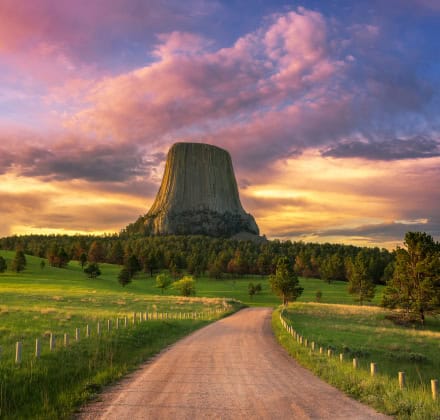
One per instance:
(42, 301)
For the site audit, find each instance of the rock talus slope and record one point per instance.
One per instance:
(198, 195)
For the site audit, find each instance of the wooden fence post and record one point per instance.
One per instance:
(341, 357)
(117, 323)
(109, 325)
(37, 348)
(52, 342)
(134, 318)
(77, 334)
(18, 347)
(321, 350)
(434, 389)
(313, 346)
(87, 330)
(355, 363)
(329, 352)
(125, 321)
(401, 380)
(98, 328)
(66, 340)
(373, 369)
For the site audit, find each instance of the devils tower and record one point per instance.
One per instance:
(198, 195)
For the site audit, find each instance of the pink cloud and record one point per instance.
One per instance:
(192, 90)
(179, 43)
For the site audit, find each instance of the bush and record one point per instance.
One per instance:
(186, 286)
(92, 270)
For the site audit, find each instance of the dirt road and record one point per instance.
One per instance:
(232, 369)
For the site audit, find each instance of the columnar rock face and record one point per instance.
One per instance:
(198, 195)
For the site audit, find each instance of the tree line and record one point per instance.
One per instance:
(201, 255)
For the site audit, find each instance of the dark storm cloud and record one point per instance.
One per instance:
(417, 147)
(96, 163)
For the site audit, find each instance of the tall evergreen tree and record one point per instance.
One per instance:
(3, 264)
(19, 262)
(285, 281)
(415, 285)
(124, 277)
(360, 283)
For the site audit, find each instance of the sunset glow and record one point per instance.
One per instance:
(331, 114)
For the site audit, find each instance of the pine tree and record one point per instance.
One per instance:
(415, 285)
(92, 270)
(3, 265)
(124, 277)
(19, 262)
(285, 282)
(360, 283)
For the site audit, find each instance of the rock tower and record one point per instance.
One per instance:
(198, 195)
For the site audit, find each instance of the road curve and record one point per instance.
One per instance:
(231, 369)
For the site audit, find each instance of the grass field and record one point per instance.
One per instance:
(38, 302)
(34, 283)
(335, 292)
(366, 333)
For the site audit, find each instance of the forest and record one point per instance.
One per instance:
(202, 255)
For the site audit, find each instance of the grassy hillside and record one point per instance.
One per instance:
(35, 282)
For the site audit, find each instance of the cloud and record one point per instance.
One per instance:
(48, 209)
(396, 149)
(383, 234)
(75, 159)
(180, 91)
(293, 84)
(85, 27)
(180, 43)
(394, 231)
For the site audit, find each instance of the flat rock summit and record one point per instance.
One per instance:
(198, 195)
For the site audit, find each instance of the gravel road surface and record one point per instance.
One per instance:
(231, 369)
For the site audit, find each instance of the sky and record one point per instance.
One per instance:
(329, 109)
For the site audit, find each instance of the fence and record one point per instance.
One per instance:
(373, 366)
(135, 318)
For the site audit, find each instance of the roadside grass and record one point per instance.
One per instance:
(365, 333)
(56, 384)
